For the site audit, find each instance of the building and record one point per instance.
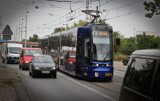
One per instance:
(146, 33)
(6, 33)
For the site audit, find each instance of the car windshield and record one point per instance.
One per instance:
(14, 50)
(72, 54)
(43, 59)
(32, 52)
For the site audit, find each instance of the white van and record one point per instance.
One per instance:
(10, 52)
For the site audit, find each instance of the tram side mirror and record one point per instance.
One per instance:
(118, 41)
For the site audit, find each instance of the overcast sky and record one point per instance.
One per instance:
(123, 15)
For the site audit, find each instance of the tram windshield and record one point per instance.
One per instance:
(101, 46)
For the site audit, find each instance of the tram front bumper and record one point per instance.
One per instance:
(101, 72)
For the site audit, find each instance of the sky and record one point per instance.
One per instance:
(125, 16)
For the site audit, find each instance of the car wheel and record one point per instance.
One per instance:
(19, 66)
(33, 75)
(55, 75)
(29, 73)
(22, 67)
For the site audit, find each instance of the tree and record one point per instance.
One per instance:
(148, 42)
(34, 38)
(128, 45)
(101, 21)
(59, 29)
(153, 6)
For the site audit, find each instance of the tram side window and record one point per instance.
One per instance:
(79, 50)
(140, 75)
(156, 90)
(86, 50)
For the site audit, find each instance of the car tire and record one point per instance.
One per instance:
(22, 67)
(55, 75)
(29, 73)
(33, 75)
(19, 66)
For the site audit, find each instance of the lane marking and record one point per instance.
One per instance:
(106, 96)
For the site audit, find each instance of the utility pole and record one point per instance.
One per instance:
(87, 8)
(22, 29)
(135, 35)
(26, 25)
(97, 13)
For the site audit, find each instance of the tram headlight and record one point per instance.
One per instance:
(95, 65)
(108, 65)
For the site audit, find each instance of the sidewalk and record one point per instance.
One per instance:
(7, 89)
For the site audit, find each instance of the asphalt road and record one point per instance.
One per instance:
(66, 88)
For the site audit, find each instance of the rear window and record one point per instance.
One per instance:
(32, 52)
(72, 54)
(139, 75)
(43, 59)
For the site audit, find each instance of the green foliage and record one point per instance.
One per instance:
(127, 45)
(153, 7)
(59, 29)
(35, 38)
(148, 41)
(80, 23)
(100, 21)
(23, 40)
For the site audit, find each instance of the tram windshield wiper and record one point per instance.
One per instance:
(106, 56)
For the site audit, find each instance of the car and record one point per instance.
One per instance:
(26, 56)
(142, 78)
(125, 61)
(42, 65)
(70, 60)
(62, 56)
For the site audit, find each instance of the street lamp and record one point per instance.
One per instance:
(26, 20)
(23, 1)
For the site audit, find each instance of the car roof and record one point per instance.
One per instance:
(71, 51)
(40, 55)
(31, 48)
(147, 52)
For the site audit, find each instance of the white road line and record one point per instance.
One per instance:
(106, 96)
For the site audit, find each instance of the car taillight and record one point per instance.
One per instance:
(70, 61)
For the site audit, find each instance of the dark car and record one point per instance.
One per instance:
(125, 61)
(142, 79)
(42, 65)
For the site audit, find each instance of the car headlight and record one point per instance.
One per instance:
(9, 55)
(36, 67)
(26, 61)
(53, 67)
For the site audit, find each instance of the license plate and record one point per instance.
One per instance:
(46, 72)
(96, 74)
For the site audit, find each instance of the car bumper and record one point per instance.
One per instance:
(9, 59)
(44, 72)
(25, 66)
